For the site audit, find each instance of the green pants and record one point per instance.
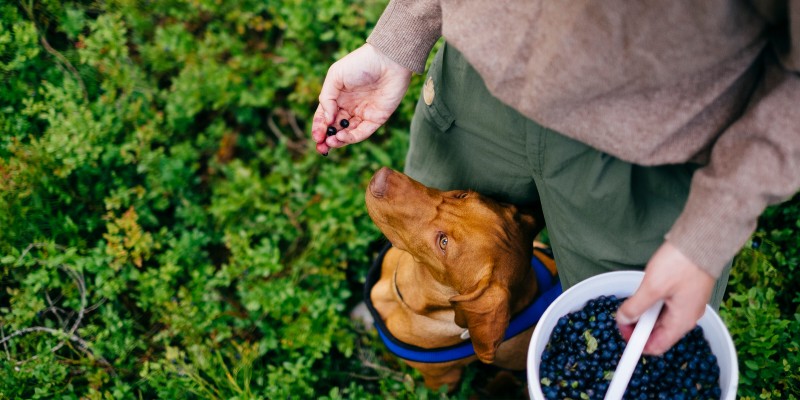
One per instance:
(603, 214)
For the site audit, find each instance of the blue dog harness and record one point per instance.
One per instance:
(549, 289)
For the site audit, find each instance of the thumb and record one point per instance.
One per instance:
(633, 308)
(361, 132)
(331, 88)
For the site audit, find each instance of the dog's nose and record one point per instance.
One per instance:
(380, 182)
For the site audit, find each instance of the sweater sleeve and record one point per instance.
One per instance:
(407, 31)
(754, 163)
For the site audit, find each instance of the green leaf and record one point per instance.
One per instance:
(591, 342)
(751, 364)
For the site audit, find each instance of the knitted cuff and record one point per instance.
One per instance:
(712, 229)
(404, 37)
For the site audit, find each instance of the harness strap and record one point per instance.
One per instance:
(549, 289)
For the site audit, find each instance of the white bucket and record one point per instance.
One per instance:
(623, 284)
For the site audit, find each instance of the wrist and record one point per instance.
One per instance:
(406, 33)
(387, 62)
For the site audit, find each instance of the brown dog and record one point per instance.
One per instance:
(459, 268)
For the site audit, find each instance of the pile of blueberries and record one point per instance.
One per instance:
(585, 346)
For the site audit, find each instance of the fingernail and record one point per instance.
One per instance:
(624, 319)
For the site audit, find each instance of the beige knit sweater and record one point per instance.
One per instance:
(650, 82)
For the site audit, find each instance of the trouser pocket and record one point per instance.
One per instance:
(462, 137)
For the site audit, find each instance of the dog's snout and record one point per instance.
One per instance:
(380, 182)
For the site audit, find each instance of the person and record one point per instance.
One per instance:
(654, 134)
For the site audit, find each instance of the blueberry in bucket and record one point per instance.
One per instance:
(585, 346)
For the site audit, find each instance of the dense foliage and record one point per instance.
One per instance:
(167, 231)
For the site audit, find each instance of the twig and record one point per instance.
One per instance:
(36, 245)
(398, 376)
(67, 335)
(367, 362)
(51, 331)
(96, 305)
(28, 250)
(83, 346)
(55, 53)
(82, 288)
(295, 127)
(364, 377)
(54, 309)
(273, 127)
(2, 337)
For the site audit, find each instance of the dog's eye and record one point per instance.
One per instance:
(442, 241)
(462, 195)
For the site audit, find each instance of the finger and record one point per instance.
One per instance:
(645, 297)
(328, 95)
(334, 143)
(633, 308)
(626, 331)
(322, 148)
(318, 129)
(357, 132)
(670, 328)
(318, 126)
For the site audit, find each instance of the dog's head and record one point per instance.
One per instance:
(479, 247)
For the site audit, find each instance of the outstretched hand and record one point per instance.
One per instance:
(364, 87)
(685, 289)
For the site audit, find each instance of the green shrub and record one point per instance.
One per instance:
(167, 228)
(762, 309)
(168, 231)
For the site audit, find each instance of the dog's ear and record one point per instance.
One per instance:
(531, 217)
(485, 311)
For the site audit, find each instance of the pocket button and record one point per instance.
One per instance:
(428, 92)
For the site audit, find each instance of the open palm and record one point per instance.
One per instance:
(364, 87)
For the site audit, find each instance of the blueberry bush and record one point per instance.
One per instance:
(168, 231)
